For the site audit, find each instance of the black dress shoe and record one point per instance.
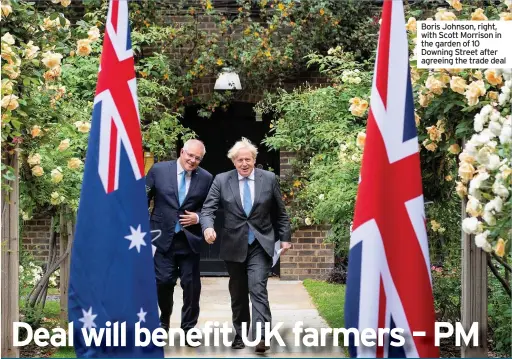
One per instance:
(261, 347)
(238, 343)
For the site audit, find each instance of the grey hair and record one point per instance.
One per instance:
(243, 143)
(194, 141)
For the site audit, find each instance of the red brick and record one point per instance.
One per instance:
(292, 252)
(307, 253)
(288, 265)
(323, 252)
(325, 265)
(307, 265)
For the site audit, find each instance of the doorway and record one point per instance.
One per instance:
(219, 133)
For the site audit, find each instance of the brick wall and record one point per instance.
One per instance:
(285, 161)
(36, 237)
(309, 257)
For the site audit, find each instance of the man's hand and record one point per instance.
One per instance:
(188, 219)
(285, 246)
(210, 235)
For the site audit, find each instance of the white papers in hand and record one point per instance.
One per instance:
(277, 253)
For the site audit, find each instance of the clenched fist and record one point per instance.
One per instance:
(210, 235)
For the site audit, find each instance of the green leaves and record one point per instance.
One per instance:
(318, 127)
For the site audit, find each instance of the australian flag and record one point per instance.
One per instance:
(112, 276)
(389, 284)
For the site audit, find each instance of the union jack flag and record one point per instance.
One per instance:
(112, 276)
(389, 283)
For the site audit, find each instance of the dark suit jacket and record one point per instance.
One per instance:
(225, 191)
(161, 185)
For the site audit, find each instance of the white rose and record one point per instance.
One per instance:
(478, 123)
(481, 238)
(481, 241)
(499, 189)
(494, 162)
(470, 149)
(470, 225)
(477, 181)
(485, 136)
(8, 39)
(475, 192)
(502, 98)
(495, 127)
(473, 207)
(506, 134)
(474, 142)
(308, 221)
(495, 115)
(492, 144)
(483, 155)
(486, 110)
(489, 218)
(495, 204)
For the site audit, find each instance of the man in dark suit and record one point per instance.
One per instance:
(179, 189)
(248, 195)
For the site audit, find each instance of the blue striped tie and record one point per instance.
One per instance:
(182, 193)
(248, 205)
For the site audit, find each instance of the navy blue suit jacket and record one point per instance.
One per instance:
(161, 185)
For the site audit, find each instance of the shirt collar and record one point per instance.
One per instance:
(179, 168)
(251, 176)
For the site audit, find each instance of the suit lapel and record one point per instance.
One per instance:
(235, 188)
(173, 169)
(258, 183)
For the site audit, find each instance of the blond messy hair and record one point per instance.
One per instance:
(243, 143)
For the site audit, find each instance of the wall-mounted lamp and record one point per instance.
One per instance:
(259, 118)
(228, 80)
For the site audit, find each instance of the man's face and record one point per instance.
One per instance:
(244, 162)
(191, 157)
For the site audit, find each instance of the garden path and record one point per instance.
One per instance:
(289, 302)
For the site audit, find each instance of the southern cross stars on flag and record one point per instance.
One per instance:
(112, 275)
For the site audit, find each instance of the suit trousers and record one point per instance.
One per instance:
(250, 279)
(178, 262)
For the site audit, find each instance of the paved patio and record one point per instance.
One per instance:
(289, 302)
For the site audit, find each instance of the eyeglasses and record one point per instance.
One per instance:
(197, 158)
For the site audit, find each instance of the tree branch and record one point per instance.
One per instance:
(502, 262)
(494, 271)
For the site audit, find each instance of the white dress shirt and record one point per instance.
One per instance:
(241, 184)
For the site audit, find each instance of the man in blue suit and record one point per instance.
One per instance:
(179, 189)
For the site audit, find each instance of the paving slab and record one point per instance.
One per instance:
(289, 303)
